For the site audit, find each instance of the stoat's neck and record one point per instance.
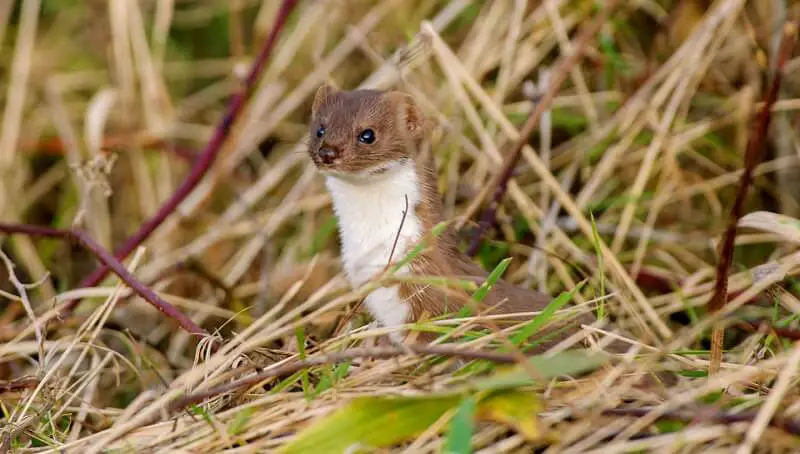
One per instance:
(370, 212)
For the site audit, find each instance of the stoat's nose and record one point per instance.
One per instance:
(328, 154)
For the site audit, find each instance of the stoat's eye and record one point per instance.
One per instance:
(367, 136)
(321, 131)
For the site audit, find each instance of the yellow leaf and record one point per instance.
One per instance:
(514, 408)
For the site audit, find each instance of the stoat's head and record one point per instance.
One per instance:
(363, 132)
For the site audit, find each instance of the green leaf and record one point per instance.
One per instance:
(459, 439)
(371, 422)
(712, 397)
(669, 426)
(376, 422)
(331, 377)
(516, 409)
(569, 362)
(693, 373)
(200, 411)
(342, 369)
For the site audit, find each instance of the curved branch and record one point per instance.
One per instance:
(110, 263)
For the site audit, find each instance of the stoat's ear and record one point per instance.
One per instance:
(409, 113)
(324, 92)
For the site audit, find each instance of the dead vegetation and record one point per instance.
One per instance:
(599, 145)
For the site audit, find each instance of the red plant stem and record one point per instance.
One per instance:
(753, 154)
(566, 65)
(111, 263)
(205, 159)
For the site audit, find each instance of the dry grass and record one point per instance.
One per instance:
(626, 183)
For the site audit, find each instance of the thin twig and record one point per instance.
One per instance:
(111, 263)
(397, 236)
(788, 425)
(568, 62)
(333, 358)
(26, 303)
(205, 159)
(753, 155)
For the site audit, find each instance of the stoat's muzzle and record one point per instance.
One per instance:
(327, 154)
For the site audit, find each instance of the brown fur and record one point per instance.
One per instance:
(399, 124)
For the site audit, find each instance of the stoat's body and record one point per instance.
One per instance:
(367, 145)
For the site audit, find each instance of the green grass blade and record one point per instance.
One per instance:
(459, 438)
(494, 276)
(600, 269)
(300, 334)
(239, 423)
(540, 320)
(437, 230)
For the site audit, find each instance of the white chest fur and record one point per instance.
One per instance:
(370, 214)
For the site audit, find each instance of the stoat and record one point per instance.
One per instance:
(368, 146)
